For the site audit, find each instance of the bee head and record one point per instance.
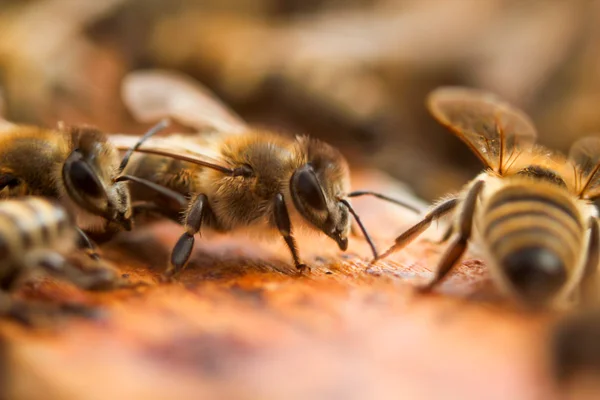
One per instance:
(88, 175)
(317, 187)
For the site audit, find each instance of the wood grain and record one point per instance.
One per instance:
(241, 323)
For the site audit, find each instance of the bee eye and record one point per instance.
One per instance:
(84, 179)
(308, 188)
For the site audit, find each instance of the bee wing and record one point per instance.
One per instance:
(154, 94)
(179, 147)
(494, 130)
(585, 154)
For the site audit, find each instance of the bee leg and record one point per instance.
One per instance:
(459, 245)
(87, 244)
(589, 286)
(183, 248)
(411, 233)
(282, 219)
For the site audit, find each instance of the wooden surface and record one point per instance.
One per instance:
(240, 323)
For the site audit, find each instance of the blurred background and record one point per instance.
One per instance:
(353, 72)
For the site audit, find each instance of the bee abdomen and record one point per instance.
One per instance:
(30, 223)
(534, 236)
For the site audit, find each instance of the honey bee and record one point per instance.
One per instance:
(531, 210)
(37, 234)
(77, 166)
(236, 177)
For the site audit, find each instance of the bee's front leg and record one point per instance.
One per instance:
(196, 212)
(282, 220)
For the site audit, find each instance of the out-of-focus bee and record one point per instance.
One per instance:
(236, 177)
(531, 211)
(39, 235)
(76, 165)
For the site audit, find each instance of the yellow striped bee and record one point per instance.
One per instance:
(39, 235)
(236, 177)
(531, 211)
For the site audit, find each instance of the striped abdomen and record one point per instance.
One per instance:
(535, 235)
(28, 227)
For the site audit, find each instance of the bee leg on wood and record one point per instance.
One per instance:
(282, 220)
(411, 233)
(180, 255)
(459, 245)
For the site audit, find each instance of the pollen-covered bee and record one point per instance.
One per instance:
(531, 211)
(236, 177)
(40, 235)
(78, 166)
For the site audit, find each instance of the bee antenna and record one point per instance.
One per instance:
(384, 197)
(164, 123)
(168, 193)
(362, 227)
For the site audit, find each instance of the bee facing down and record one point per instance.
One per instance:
(530, 210)
(236, 177)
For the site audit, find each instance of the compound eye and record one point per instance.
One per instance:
(84, 179)
(308, 188)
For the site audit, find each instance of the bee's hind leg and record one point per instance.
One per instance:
(180, 255)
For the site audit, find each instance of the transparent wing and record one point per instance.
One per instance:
(494, 130)
(585, 154)
(180, 147)
(155, 94)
